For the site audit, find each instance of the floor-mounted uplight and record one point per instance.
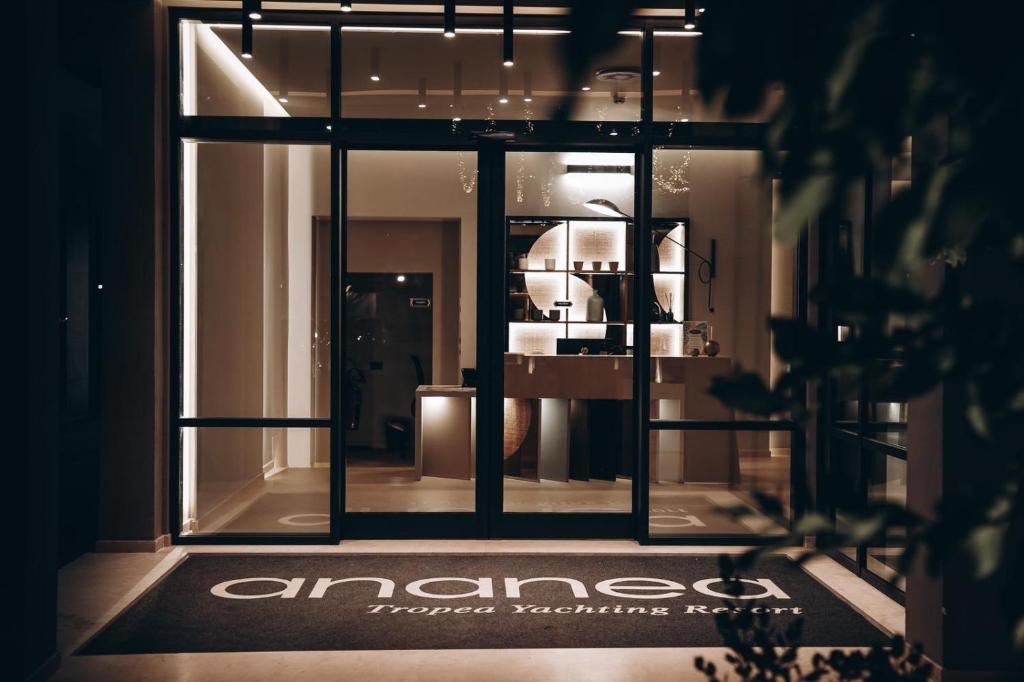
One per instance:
(449, 18)
(507, 35)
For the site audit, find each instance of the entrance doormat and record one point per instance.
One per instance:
(217, 603)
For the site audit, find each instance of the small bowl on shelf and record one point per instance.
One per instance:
(597, 265)
(613, 265)
(577, 265)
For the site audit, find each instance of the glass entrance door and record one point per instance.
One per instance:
(567, 449)
(409, 301)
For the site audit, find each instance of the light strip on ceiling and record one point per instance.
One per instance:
(426, 30)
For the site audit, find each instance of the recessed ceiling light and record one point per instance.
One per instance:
(282, 100)
(585, 88)
(656, 73)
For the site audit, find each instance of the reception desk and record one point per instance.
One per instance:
(556, 407)
(679, 390)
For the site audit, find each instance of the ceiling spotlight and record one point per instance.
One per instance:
(346, 6)
(507, 37)
(614, 132)
(527, 87)
(656, 73)
(282, 100)
(246, 39)
(449, 18)
(375, 64)
(253, 9)
(605, 207)
(690, 15)
(456, 119)
(422, 101)
(399, 278)
(585, 88)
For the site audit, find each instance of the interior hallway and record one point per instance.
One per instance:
(95, 587)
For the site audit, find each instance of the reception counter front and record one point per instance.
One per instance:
(567, 417)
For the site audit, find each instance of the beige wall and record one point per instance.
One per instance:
(395, 185)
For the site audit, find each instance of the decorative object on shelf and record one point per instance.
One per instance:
(555, 315)
(518, 314)
(577, 265)
(595, 308)
(695, 352)
(536, 315)
(613, 266)
(696, 335)
(711, 348)
(549, 263)
(669, 315)
(524, 262)
(596, 265)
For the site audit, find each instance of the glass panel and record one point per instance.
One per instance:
(888, 483)
(715, 205)
(568, 376)
(417, 73)
(700, 478)
(612, 91)
(288, 73)
(676, 95)
(845, 485)
(255, 480)
(410, 300)
(255, 280)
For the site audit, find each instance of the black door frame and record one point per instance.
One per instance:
(343, 134)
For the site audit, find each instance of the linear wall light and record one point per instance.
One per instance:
(508, 41)
(246, 39)
(475, 31)
(577, 168)
(449, 18)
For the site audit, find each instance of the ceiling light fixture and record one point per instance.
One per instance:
(502, 86)
(656, 73)
(253, 9)
(457, 91)
(246, 39)
(585, 88)
(375, 64)
(507, 37)
(422, 101)
(346, 6)
(690, 16)
(527, 87)
(449, 18)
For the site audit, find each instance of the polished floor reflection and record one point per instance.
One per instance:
(297, 500)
